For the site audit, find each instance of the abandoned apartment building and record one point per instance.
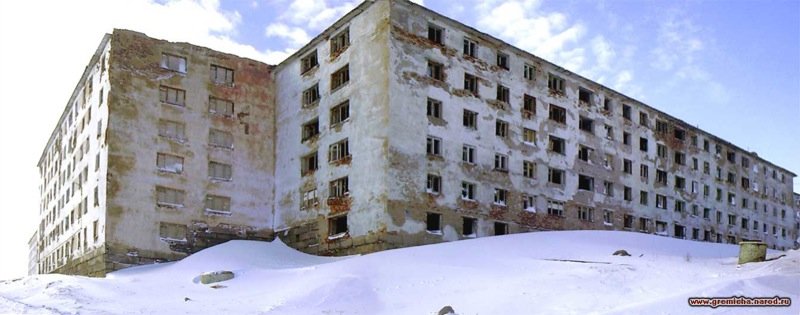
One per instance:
(395, 127)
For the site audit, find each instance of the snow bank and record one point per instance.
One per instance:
(568, 272)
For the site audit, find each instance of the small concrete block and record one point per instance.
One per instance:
(215, 276)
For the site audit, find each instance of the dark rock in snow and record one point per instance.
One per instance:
(621, 252)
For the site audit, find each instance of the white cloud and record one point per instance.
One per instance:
(523, 24)
(315, 14)
(296, 36)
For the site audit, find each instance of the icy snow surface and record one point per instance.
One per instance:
(569, 272)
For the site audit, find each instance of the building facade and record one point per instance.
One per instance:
(395, 127)
(162, 148)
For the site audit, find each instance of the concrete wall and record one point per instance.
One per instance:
(409, 202)
(132, 225)
(367, 59)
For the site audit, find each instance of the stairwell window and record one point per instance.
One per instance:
(309, 62)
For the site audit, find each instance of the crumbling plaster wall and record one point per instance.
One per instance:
(410, 87)
(367, 92)
(133, 216)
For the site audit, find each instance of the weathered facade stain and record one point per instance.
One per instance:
(377, 193)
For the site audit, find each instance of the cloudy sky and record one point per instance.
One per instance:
(730, 67)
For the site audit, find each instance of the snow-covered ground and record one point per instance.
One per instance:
(569, 272)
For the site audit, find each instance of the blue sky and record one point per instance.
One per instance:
(730, 67)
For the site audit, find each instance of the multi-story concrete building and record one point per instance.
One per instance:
(440, 132)
(162, 148)
(395, 127)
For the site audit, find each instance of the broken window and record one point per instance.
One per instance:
(310, 129)
(608, 161)
(556, 145)
(471, 83)
(529, 136)
(626, 138)
(468, 190)
(528, 202)
(436, 34)
(609, 132)
(503, 94)
(679, 134)
(732, 157)
(435, 70)
(219, 171)
(644, 224)
(221, 107)
(680, 158)
(433, 184)
(468, 154)
(309, 163)
(309, 62)
(695, 163)
(172, 96)
(174, 63)
(434, 108)
(433, 222)
(469, 226)
(661, 177)
(555, 176)
(337, 225)
(608, 188)
(169, 163)
(584, 153)
(626, 112)
(643, 197)
(339, 187)
(558, 114)
(500, 162)
(627, 221)
(680, 206)
(627, 193)
(643, 120)
(528, 106)
(585, 97)
(470, 119)
(745, 162)
(221, 75)
(661, 126)
(340, 77)
(529, 169)
(171, 129)
(731, 178)
(644, 171)
(339, 150)
(732, 199)
(171, 232)
(555, 84)
(607, 105)
(220, 139)
(585, 182)
(500, 228)
(586, 213)
(309, 199)
(501, 128)
(608, 217)
(340, 113)
(169, 197)
(661, 150)
(311, 96)
(502, 60)
(216, 203)
(627, 166)
(529, 72)
(555, 208)
(340, 42)
(434, 146)
(470, 47)
(586, 124)
(643, 144)
(500, 196)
